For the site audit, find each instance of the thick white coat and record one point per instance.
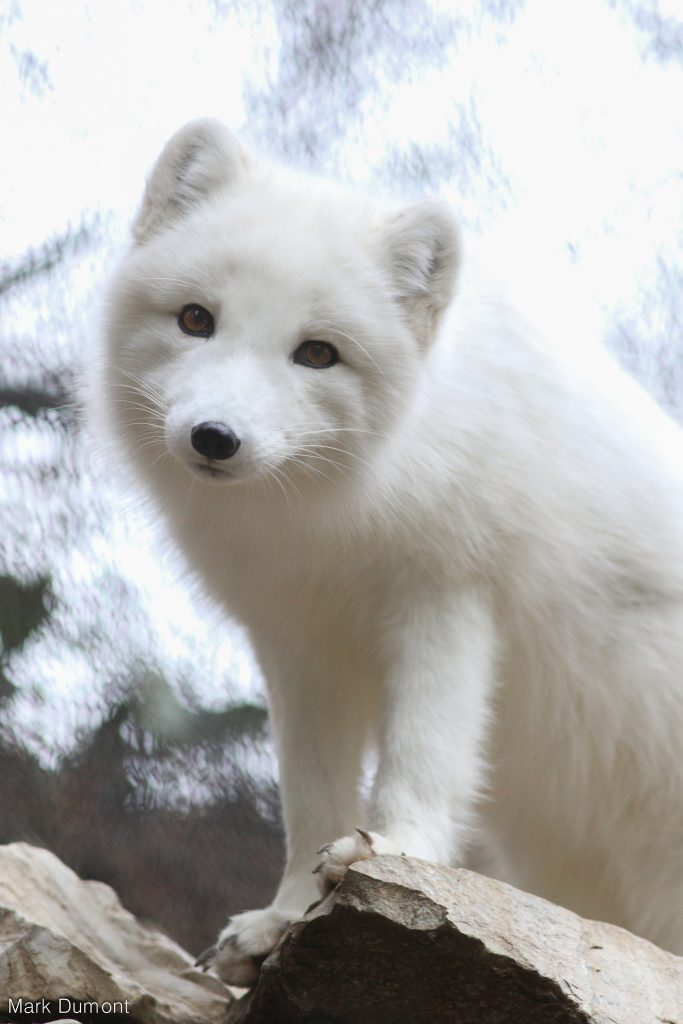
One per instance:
(461, 545)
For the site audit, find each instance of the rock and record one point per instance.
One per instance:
(399, 942)
(406, 942)
(69, 940)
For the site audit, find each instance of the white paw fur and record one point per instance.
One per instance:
(337, 857)
(244, 943)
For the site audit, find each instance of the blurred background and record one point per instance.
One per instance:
(133, 734)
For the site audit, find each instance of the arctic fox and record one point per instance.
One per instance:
(452, 538)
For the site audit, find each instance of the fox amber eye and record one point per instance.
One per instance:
(316, 353)
(196, 320)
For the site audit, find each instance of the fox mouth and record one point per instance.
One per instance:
(209, 470)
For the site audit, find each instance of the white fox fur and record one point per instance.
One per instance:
(461, 544)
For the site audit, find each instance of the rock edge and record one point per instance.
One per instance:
(403, 941)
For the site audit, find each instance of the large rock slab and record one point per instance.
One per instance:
(62, 938)
(406, 942)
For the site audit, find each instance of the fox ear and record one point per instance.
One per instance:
(199, 160)
(420, 250)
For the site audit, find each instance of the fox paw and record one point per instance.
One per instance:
(336, 857)
(243, 945)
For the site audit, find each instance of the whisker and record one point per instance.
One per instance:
(152, 443)
(160, 456)
(324, 458)
(271, 475)
(336, 430)
(288, 480)
(152, 423)
(315, 449)
(143, 408)
(139, 389)
(298, 460)
(139, 384)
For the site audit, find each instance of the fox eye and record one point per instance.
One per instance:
(196, 320)
(318, 354)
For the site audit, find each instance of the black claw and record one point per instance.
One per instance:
(365, 835)
(325, 849)
(205, 958)
(317, 869)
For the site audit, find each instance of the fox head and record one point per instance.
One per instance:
(265, 325)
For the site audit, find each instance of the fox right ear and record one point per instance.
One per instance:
(199, 160)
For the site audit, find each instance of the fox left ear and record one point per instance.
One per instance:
(420, 250)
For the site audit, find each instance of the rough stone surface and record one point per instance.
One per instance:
(406, 942)
(64, 938)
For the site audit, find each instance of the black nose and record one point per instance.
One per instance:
(214, 440)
